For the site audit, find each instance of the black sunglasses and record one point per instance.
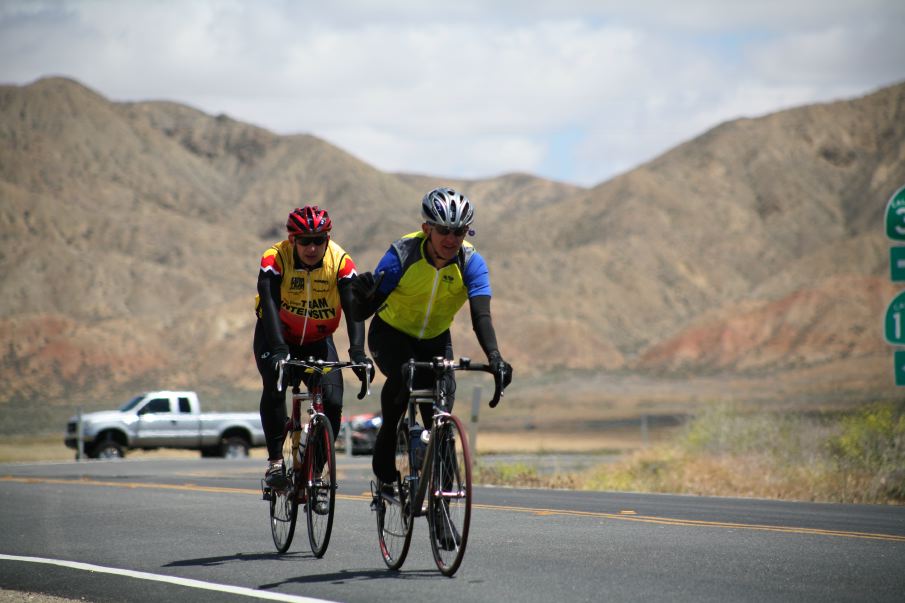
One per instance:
(305, 241)
(445, 230)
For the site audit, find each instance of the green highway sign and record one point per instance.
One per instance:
(895, 216)
(897, 264)
(899, 359)
(894, 323)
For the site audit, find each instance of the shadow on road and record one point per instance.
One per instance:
(210, 561)
(352, 575)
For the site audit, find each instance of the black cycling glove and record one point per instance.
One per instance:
(498, 365)
(357, 356)
(280, 352)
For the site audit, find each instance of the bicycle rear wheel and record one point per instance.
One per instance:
(320, 485)
(394, 519)
(449, 494)
(284, 502)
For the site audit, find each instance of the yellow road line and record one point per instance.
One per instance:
(699, 523)
(622, 516)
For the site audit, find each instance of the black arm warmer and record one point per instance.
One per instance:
(482, 323)
(269, 292)
(355, 327)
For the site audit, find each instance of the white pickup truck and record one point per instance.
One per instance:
(165, 419)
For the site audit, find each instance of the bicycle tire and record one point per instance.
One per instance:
(284, 503)
(449, 494)
(320, 485)
(394, 519)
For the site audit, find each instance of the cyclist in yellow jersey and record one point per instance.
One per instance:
(422, 281)
(303, 287)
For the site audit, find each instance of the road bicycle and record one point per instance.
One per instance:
(434, 472)
(309, 459)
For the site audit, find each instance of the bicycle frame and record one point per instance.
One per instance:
(303, 465)
(311, 474)
(437, 398)
(314, 396)
(440, 488)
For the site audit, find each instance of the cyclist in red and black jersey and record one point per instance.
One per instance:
(303, 288)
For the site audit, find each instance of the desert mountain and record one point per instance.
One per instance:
(130, 235)
(756, 208)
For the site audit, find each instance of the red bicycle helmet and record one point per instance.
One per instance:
(308, 220)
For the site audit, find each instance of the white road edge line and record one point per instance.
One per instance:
(235, 590)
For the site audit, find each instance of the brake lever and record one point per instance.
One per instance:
(280, 376)
(365, 383)
(497, 389)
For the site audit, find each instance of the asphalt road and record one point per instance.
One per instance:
(197, 530)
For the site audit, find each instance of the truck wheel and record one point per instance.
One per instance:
(234, 447)
(107, 449)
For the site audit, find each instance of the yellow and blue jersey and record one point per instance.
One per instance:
(422, 300)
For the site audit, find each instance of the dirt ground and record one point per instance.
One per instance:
(15, 596)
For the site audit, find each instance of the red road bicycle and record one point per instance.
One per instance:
(309, 459)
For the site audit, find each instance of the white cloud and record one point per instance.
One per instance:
(570, 90)
(850, 57)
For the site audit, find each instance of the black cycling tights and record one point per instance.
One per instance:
(273, 402)
(391, 349)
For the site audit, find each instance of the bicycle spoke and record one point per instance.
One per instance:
(394, 522)
(321, 485)
(449, 495)
(283, 504)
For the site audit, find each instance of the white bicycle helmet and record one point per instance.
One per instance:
(445, 207)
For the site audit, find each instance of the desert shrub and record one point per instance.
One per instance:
(859, 457)
(872, 442)
(522, 475)
(873, 438)
(724, 429)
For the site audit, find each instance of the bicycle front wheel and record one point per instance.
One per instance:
(320, 485)
(394, 517)
(449, 494)
(284, 501)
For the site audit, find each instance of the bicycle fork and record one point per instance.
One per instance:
(423, 479)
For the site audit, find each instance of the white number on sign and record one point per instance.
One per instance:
(900, 211)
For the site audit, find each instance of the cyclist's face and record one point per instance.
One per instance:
(443, 247)
(311, 248)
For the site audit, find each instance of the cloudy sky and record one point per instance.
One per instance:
(571, 90)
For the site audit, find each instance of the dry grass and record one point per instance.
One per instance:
(539, 442)
(856, 457)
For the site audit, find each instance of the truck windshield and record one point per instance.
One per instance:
(131, 403)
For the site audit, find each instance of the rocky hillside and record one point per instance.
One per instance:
(130, 234)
